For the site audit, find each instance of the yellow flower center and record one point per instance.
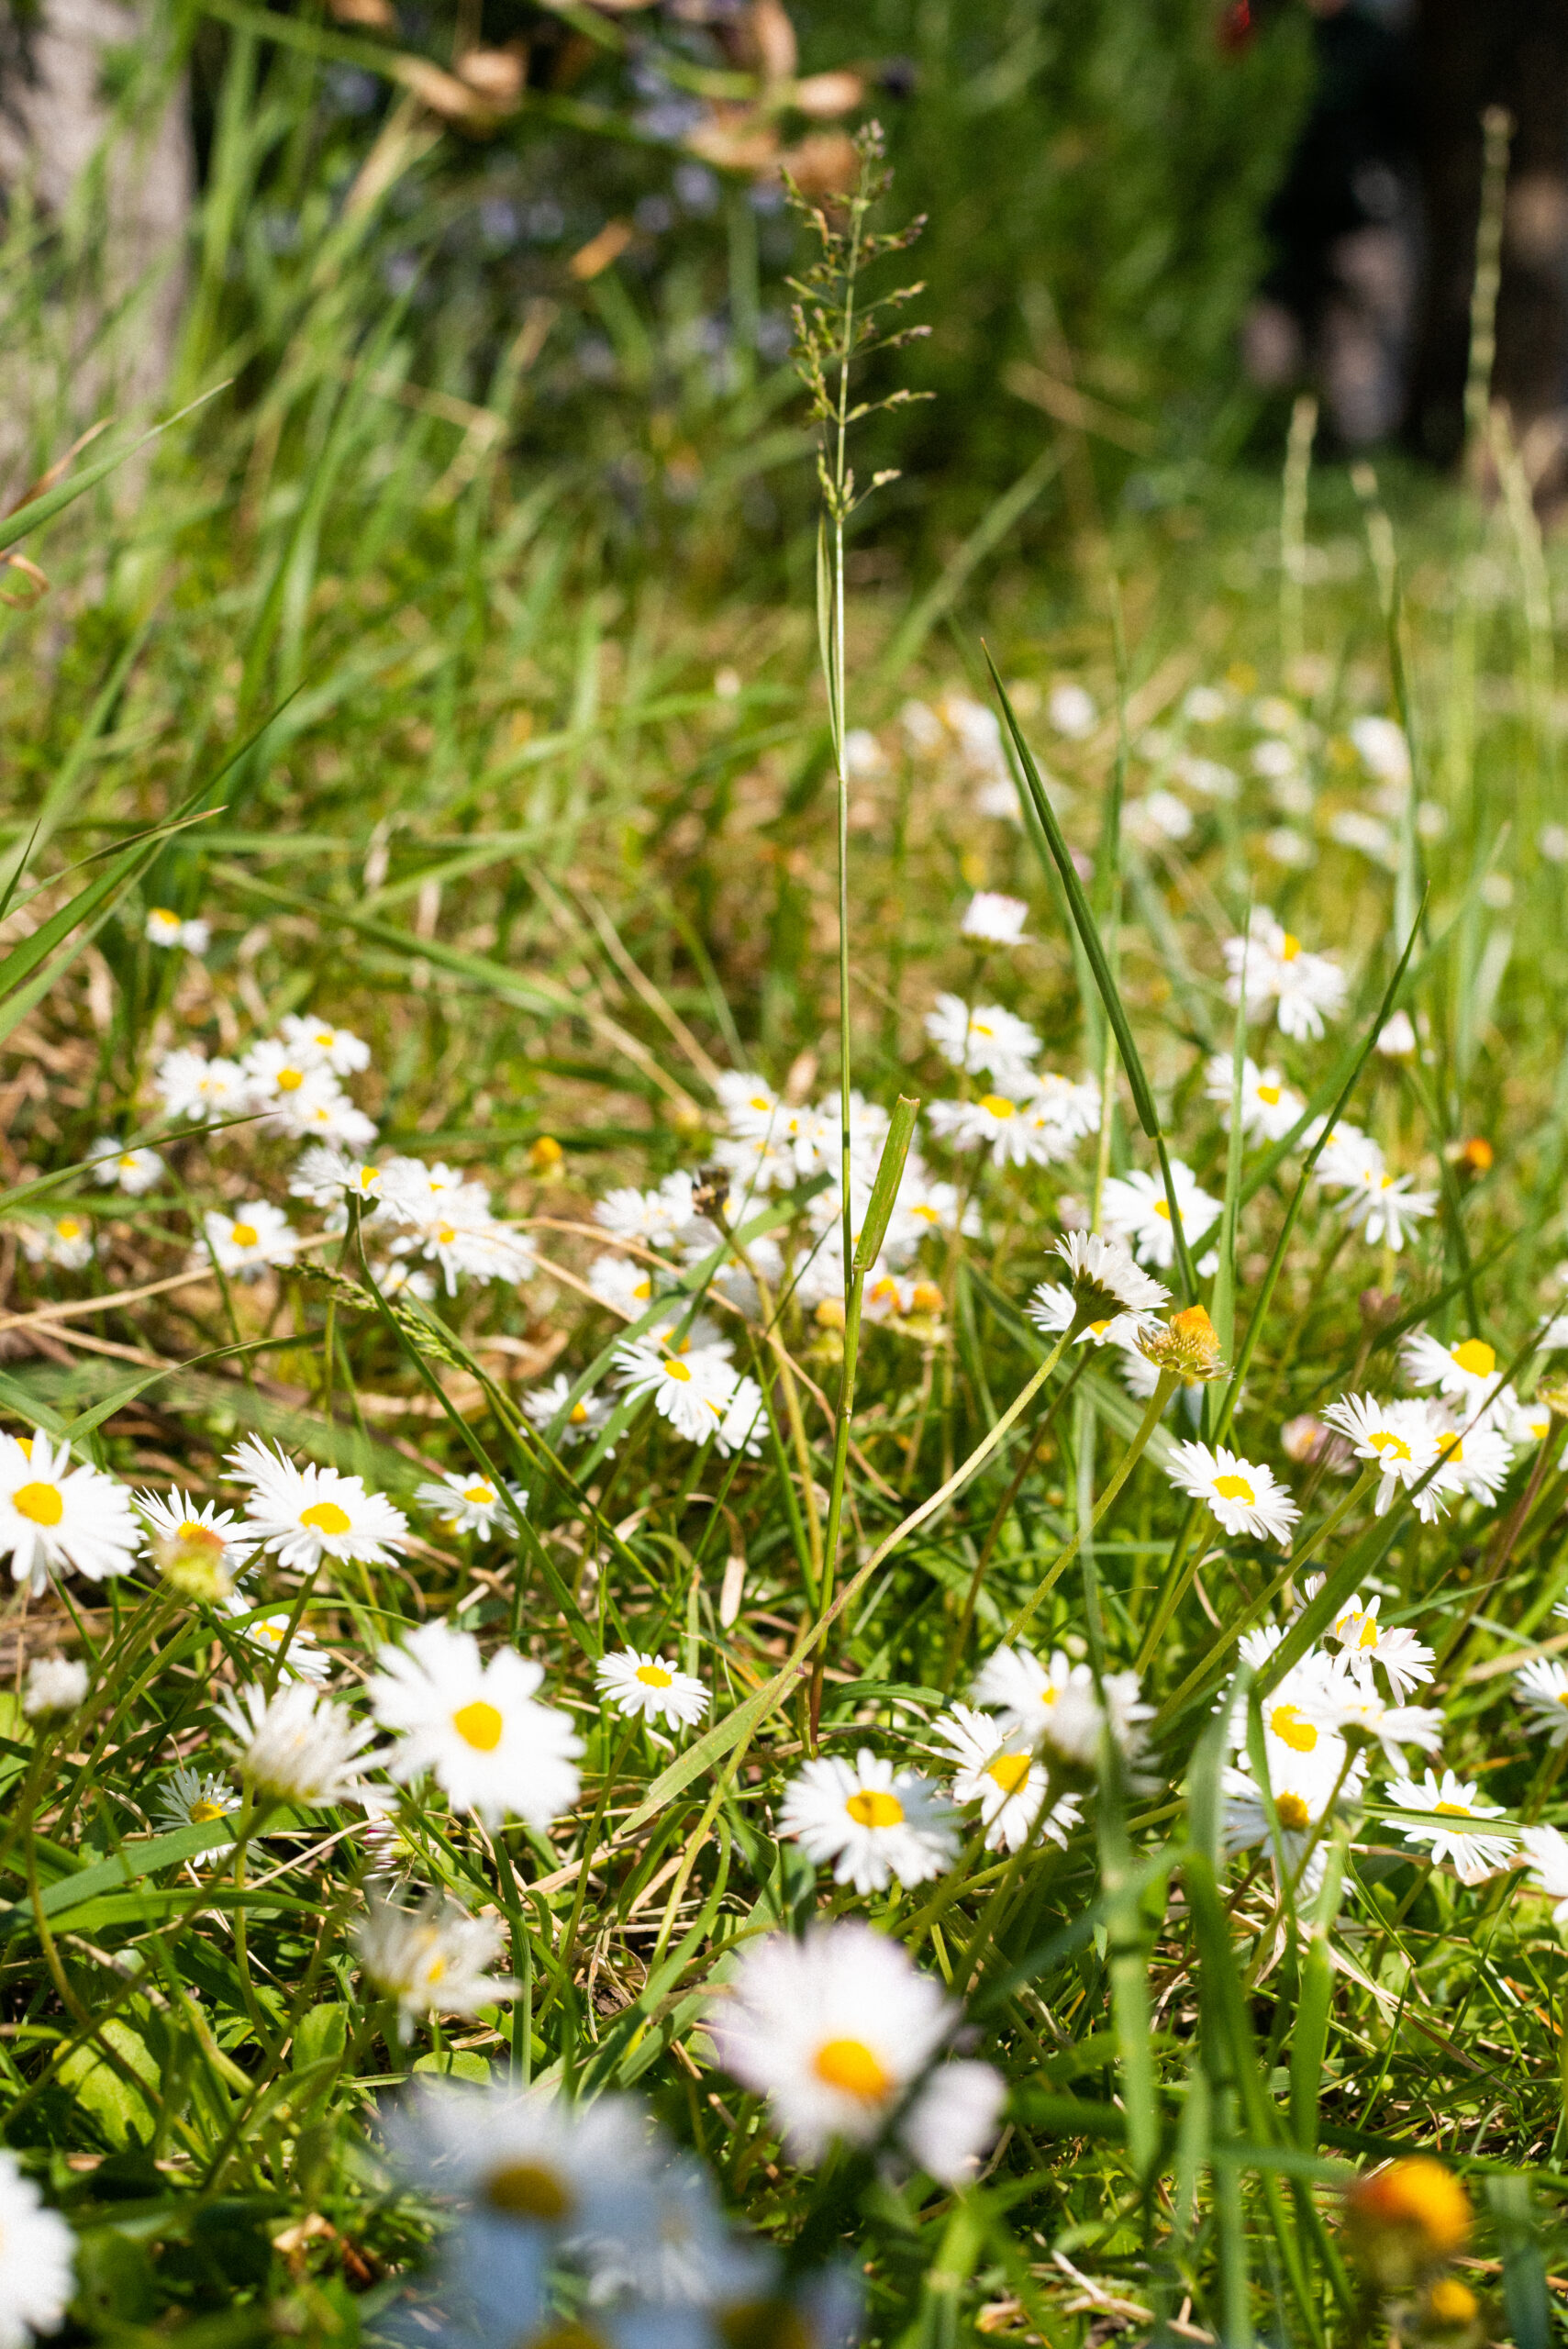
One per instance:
(1162, 1207)
(871, 1807)
(41, 1504)
(127, 1160)
(165, 918)
(290, 1079)
(1292, 1812)
(1476, 1357)
(445, 1235)
(997, 1105)
(1098, 1329)
(849, 2064)
(1235, 1489)
(1453, 1448)
(203, 1813)
(528, 2190)
(479, 1725)
(759, 1101)
(1368, 1633)
(25, 1446)
(1392, 1446)
(191, 1530)
(1008, 1771)
(578, 1415)
(1287, 1725)
(1289, 948)
(1453, 1809)
(479, 1495)
(244, 1235)
(325, 1036)
(674, 1369)
(68, 1227)
(326, 1517)
(367, 1175)
(653, 1675)
(1271, 1094)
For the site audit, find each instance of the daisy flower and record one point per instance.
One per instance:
(1070, 1102)
(1302, 1785)
(467, 1502)
(874, 1823)
(459, 1234)
(174, 1517)
(693, 1391)
(637, 1684)
(1269, 1107)
(543, 1406)
(1398, 1437)
(298, 1746)
(1071, 711)
(1013, 1129)
(320, 1045)
(302, 1657)
(133, 1172)
(1054, 1308)
(1308, 989)
(54, 1515)
(656, 1218)
(1138, 1212)
(1343, 1703)
(986, 1041)
(745, 1421)
(836, 2030)
(1396, 1037)
(1465, 1371)
(1244, 1498)
(38, 2256)
(432, 1959)
(166, 929)
(66, 1241)
(186, 1798)
(1475, 1459)
(1057, 1707)
(995, 919)
(1546, 1858)
(191, 1086)
(997, 1770)
(56, 1684)
(1542, 1686)
(1529, 1422)
(243, 1245)
(1365, 1641)
(477, 1727)
(1349, 1159)
(326, 1176)
(1104, 1273)
(686, 2258)
(623, 1285)
(305, 1515)
(1023, 1689)
(1473, 1854)
(1382, 1207)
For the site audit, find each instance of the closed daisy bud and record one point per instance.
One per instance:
(546, 1158)
(192, 1562)
(1188, 1344)
(1449, 2311)
(1475, 1157)
(1405, 2220)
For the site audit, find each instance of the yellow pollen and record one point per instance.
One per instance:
(1368, 1633)
(1476, 1357)
(324, 1037)
(759, 1101)
(1453, 1809)
(162, 913)
(290, 1079)
(435, 1970)
(1162, 1207)
(1287, 1725)
(674, 1369)
(25, 1446)
(981, 1028)
(203, 1813)
(653, 1675)
(191, 1530)
(1289, 948)
(871, 1807)
(1271, 1094)
(1292, 1812)
(1235, 1489)
(326, 1517)
(244, 1235)
(1392, 1446)
(997, 1105)
(1453, 1448)
(1098, 1329)
(479, 1725)
(528, 2190)
(40, 1504)
(849, 2064)
(644, 1288)
(367, 1175)
(479, 1495)
(1010, 1770)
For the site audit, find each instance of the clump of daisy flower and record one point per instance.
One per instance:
(116, 1168)
(66, 1241)
(477, 1727)
(873, 1822)
(55, 1684)
(298, 1746)
(55, 1514)
(431, 1959)
(306, 1515)
(646, 1686)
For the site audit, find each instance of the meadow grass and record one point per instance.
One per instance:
(562, 847)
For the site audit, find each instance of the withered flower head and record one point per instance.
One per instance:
(1188, 1343)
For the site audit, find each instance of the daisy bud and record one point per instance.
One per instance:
(192, 1562)
(546, 1158)
(1405, 2220)
(1450, 2312)
(1475, 1157)
(56, 1684)
(1188, 1344)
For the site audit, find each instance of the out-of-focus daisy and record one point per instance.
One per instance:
(1349, 1159)
(1530, 1422)
(56, 1514)
(1022, 1689)
(1071, 711)
(302, 1657)
(1382, 749)
(457, 1231)
(745, 1421)
(305, 1515)
(1384, 1208)
(1474, 1852)
(1357, 1708)
(662, 1217)
(622, 1284)
(863, 754)
(298, 1746)
(431, 1959)
(38, 2258)
(1475, 1459)
(1072, 1103)
(1366, 1640)
(191, 1086)
(1398, 1437)
(1012, 1128)
(685, 2265)
(477, 1727)
(1205, 704)
(1057, 1707)
(467, 1502)
(64, 1240)
(1546, 1857)
(134, 1172)
(1302, 1785)
(394, 1276)
(1542, 1686)
(245, 1244)
(164, 928)
(543, 1406)
(835, 2030)
(995, 919)
(1396, 1037)
(209, 1534)
(1466, 1370)
(984, 1040)
(326, 1176)
(997, 1769)
(873, 1822)
(1308, 989)
(319, 1044)
(1245, 1497)
(55, 1684)
(1138, 1212)
(190, 1799)
(693, 1391)
(645, 1685)
(1269, 1107)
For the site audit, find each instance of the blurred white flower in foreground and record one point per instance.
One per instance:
(37, 2255)
(298, 1746)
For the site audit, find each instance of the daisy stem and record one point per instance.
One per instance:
(1129, 1460)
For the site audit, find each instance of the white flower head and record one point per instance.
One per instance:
(1269, 1107)
(873, 1822)
(1010, 1124)
(1399, 1438)
(467, 1502)
(995, 919)
(217, 1537)
(194, 1798)
(983, 1041)
(1542, 1689)
(1308, 989)
(693, 1391)
(328, 1177)
(477, 1727)
(164, 928)
(301, 1656)
(1396, 1037)
(1138, 1212)
(307, 1515)
(1071, 711)
(1465, 1371)
(116, 1168)
(298, 1746)
(55, 1684)
(191, 1086)
(1385, 1210)
(642, 1685)
(996, 1768)
(1366, 1640)
(1302, 1787)
(64, 1240)
(245, 1244)
(55, 1515)
(543, 1406)
(1474, 1458)
(1105, 1273)
(320, 1045)
(431, 1959)
(38, 2258)
(1054, 1308)
(1546, 1856)
(1243, 1496)
(1349, 1160)
(1474, 1851)
(1352, 1705)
